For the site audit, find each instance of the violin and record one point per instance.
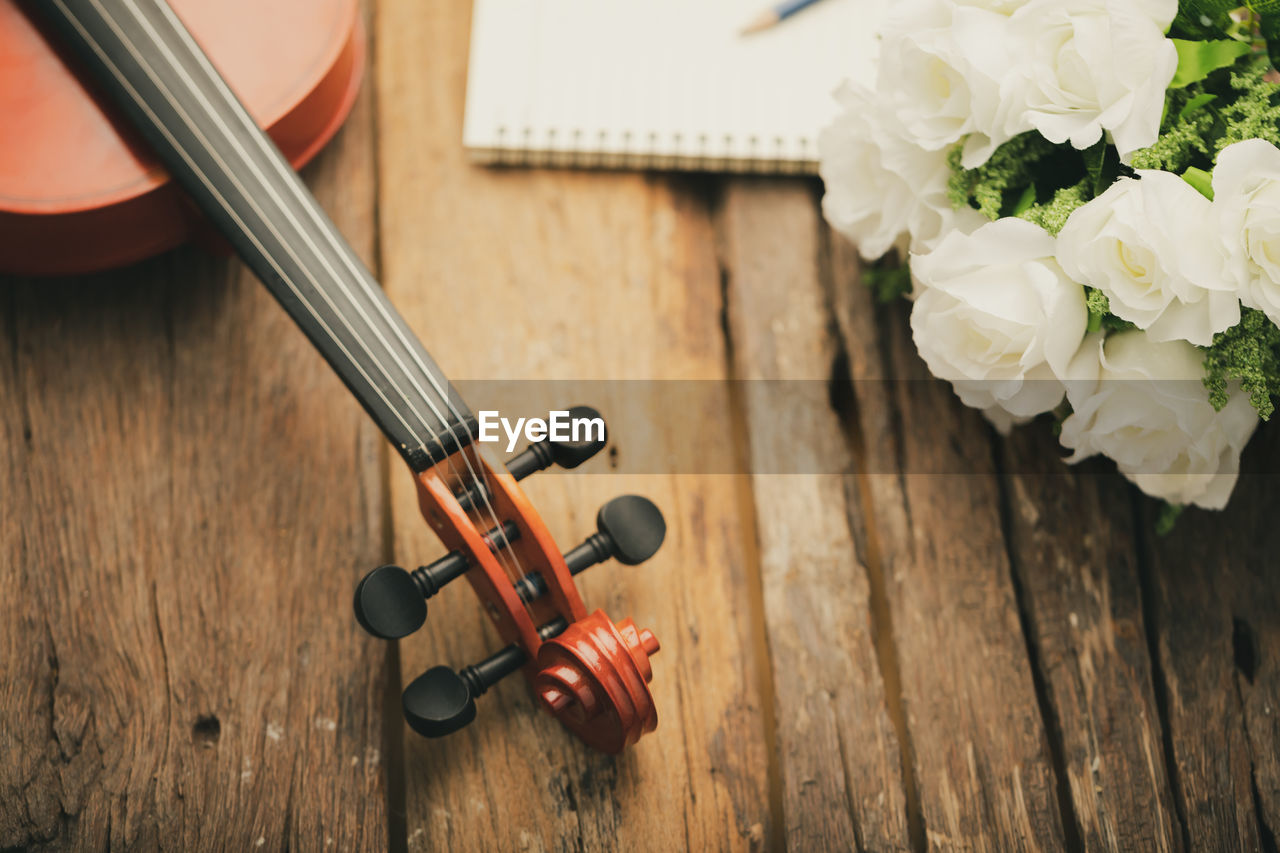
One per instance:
(80, 190)
(590, 673)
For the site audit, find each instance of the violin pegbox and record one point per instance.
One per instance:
(590, 673)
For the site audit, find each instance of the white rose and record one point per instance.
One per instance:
(1146, 407)
(1002, 420)
(880, 187)
(940, 71)
(998, 318)
(966, 220)
(1085, 66)
(1246, 199)
(1145, 244)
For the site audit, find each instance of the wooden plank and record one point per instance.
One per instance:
(518, 274)
(1076, 559)
(189, 497)
(980, 759)
(1216, 613)
(840, 758)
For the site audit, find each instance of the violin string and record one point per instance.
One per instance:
(287, 213)
(228, 172)
(291, 180)
(342, 251)
(231, 212)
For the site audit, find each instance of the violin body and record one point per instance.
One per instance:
(81, 191)
(167, 138)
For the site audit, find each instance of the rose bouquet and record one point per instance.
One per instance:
(1087, 195)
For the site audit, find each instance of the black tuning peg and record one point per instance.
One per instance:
(542, 455)
(390, 603)
(438, 702)
(566, 454)
(631, 530)
(441, 701)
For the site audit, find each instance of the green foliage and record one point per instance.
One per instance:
(999, 186)
(1196, 103)
(1229, 105)
(1102, 165)
(1197, 59)
(1099, 305)
(1211, 19)
(1025, 201)
(1168, 518)
(1201, 180)
(1100, 316)
(888, 278)
(1052, 215)
(1269, 27)
(1185, 134)
(1248, 352)
(1254, 108)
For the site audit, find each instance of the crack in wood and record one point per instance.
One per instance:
(746, 511)
(844, 402)
(1151, 619)
(1044, 701)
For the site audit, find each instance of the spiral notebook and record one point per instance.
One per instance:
(662, 84)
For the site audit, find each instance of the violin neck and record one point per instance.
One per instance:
(146, 60)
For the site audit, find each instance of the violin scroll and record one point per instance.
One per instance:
(594, 678)
(590, 673)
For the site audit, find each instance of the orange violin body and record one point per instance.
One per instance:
(80, 191)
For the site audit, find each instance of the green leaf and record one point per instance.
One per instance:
(1270, 29)
(1168, 518)
(1025, 201)
(1202, 19)
(1102, 165)
(1201, 180)
(888, 278)
(1194, 105)
(1197, 59)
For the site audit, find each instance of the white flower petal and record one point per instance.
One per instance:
(1149, 411)
(1144, 244)
(996, 314)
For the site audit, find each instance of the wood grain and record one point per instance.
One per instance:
(1216, 613)
(1075, 554)
(979, 755)
(189, 496)
(840, 764)
(949, 649)
(542, 275)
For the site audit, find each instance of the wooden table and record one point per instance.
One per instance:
(1003, 658)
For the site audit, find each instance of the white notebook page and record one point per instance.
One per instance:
(661, 83)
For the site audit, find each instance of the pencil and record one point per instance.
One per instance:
(769, 17)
